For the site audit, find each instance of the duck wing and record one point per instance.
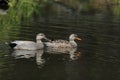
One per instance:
(30, 45)
(60, 41)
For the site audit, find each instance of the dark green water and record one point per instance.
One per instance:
(99, 59)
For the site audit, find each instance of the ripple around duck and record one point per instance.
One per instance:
(99, 50)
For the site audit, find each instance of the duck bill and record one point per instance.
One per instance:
(47, 39)
(78, 54)
(78, 38)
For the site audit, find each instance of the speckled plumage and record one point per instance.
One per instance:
(63, 43)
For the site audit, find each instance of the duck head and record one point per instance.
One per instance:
(41, 36)
(74, 37)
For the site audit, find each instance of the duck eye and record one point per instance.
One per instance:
(41, 34)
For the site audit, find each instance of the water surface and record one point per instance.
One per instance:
(99, 48)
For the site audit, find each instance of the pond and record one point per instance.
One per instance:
(99, 50)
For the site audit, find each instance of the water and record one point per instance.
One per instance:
(99, 50)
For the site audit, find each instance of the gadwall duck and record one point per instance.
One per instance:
(64, 43)
(29, 45)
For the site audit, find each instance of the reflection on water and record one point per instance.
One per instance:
(73, 54)
(99, 47)
(23, 54)
(27, 54)
(38, 54)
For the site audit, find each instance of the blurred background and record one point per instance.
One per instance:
(97, 23)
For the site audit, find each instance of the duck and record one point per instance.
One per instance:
(64, 43)
(29, 45)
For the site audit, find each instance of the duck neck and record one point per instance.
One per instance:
(38, 41)
(73, 43)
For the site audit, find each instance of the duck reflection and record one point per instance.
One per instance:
(27, 54)
(73, 53)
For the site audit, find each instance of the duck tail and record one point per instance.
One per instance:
(12, 45)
